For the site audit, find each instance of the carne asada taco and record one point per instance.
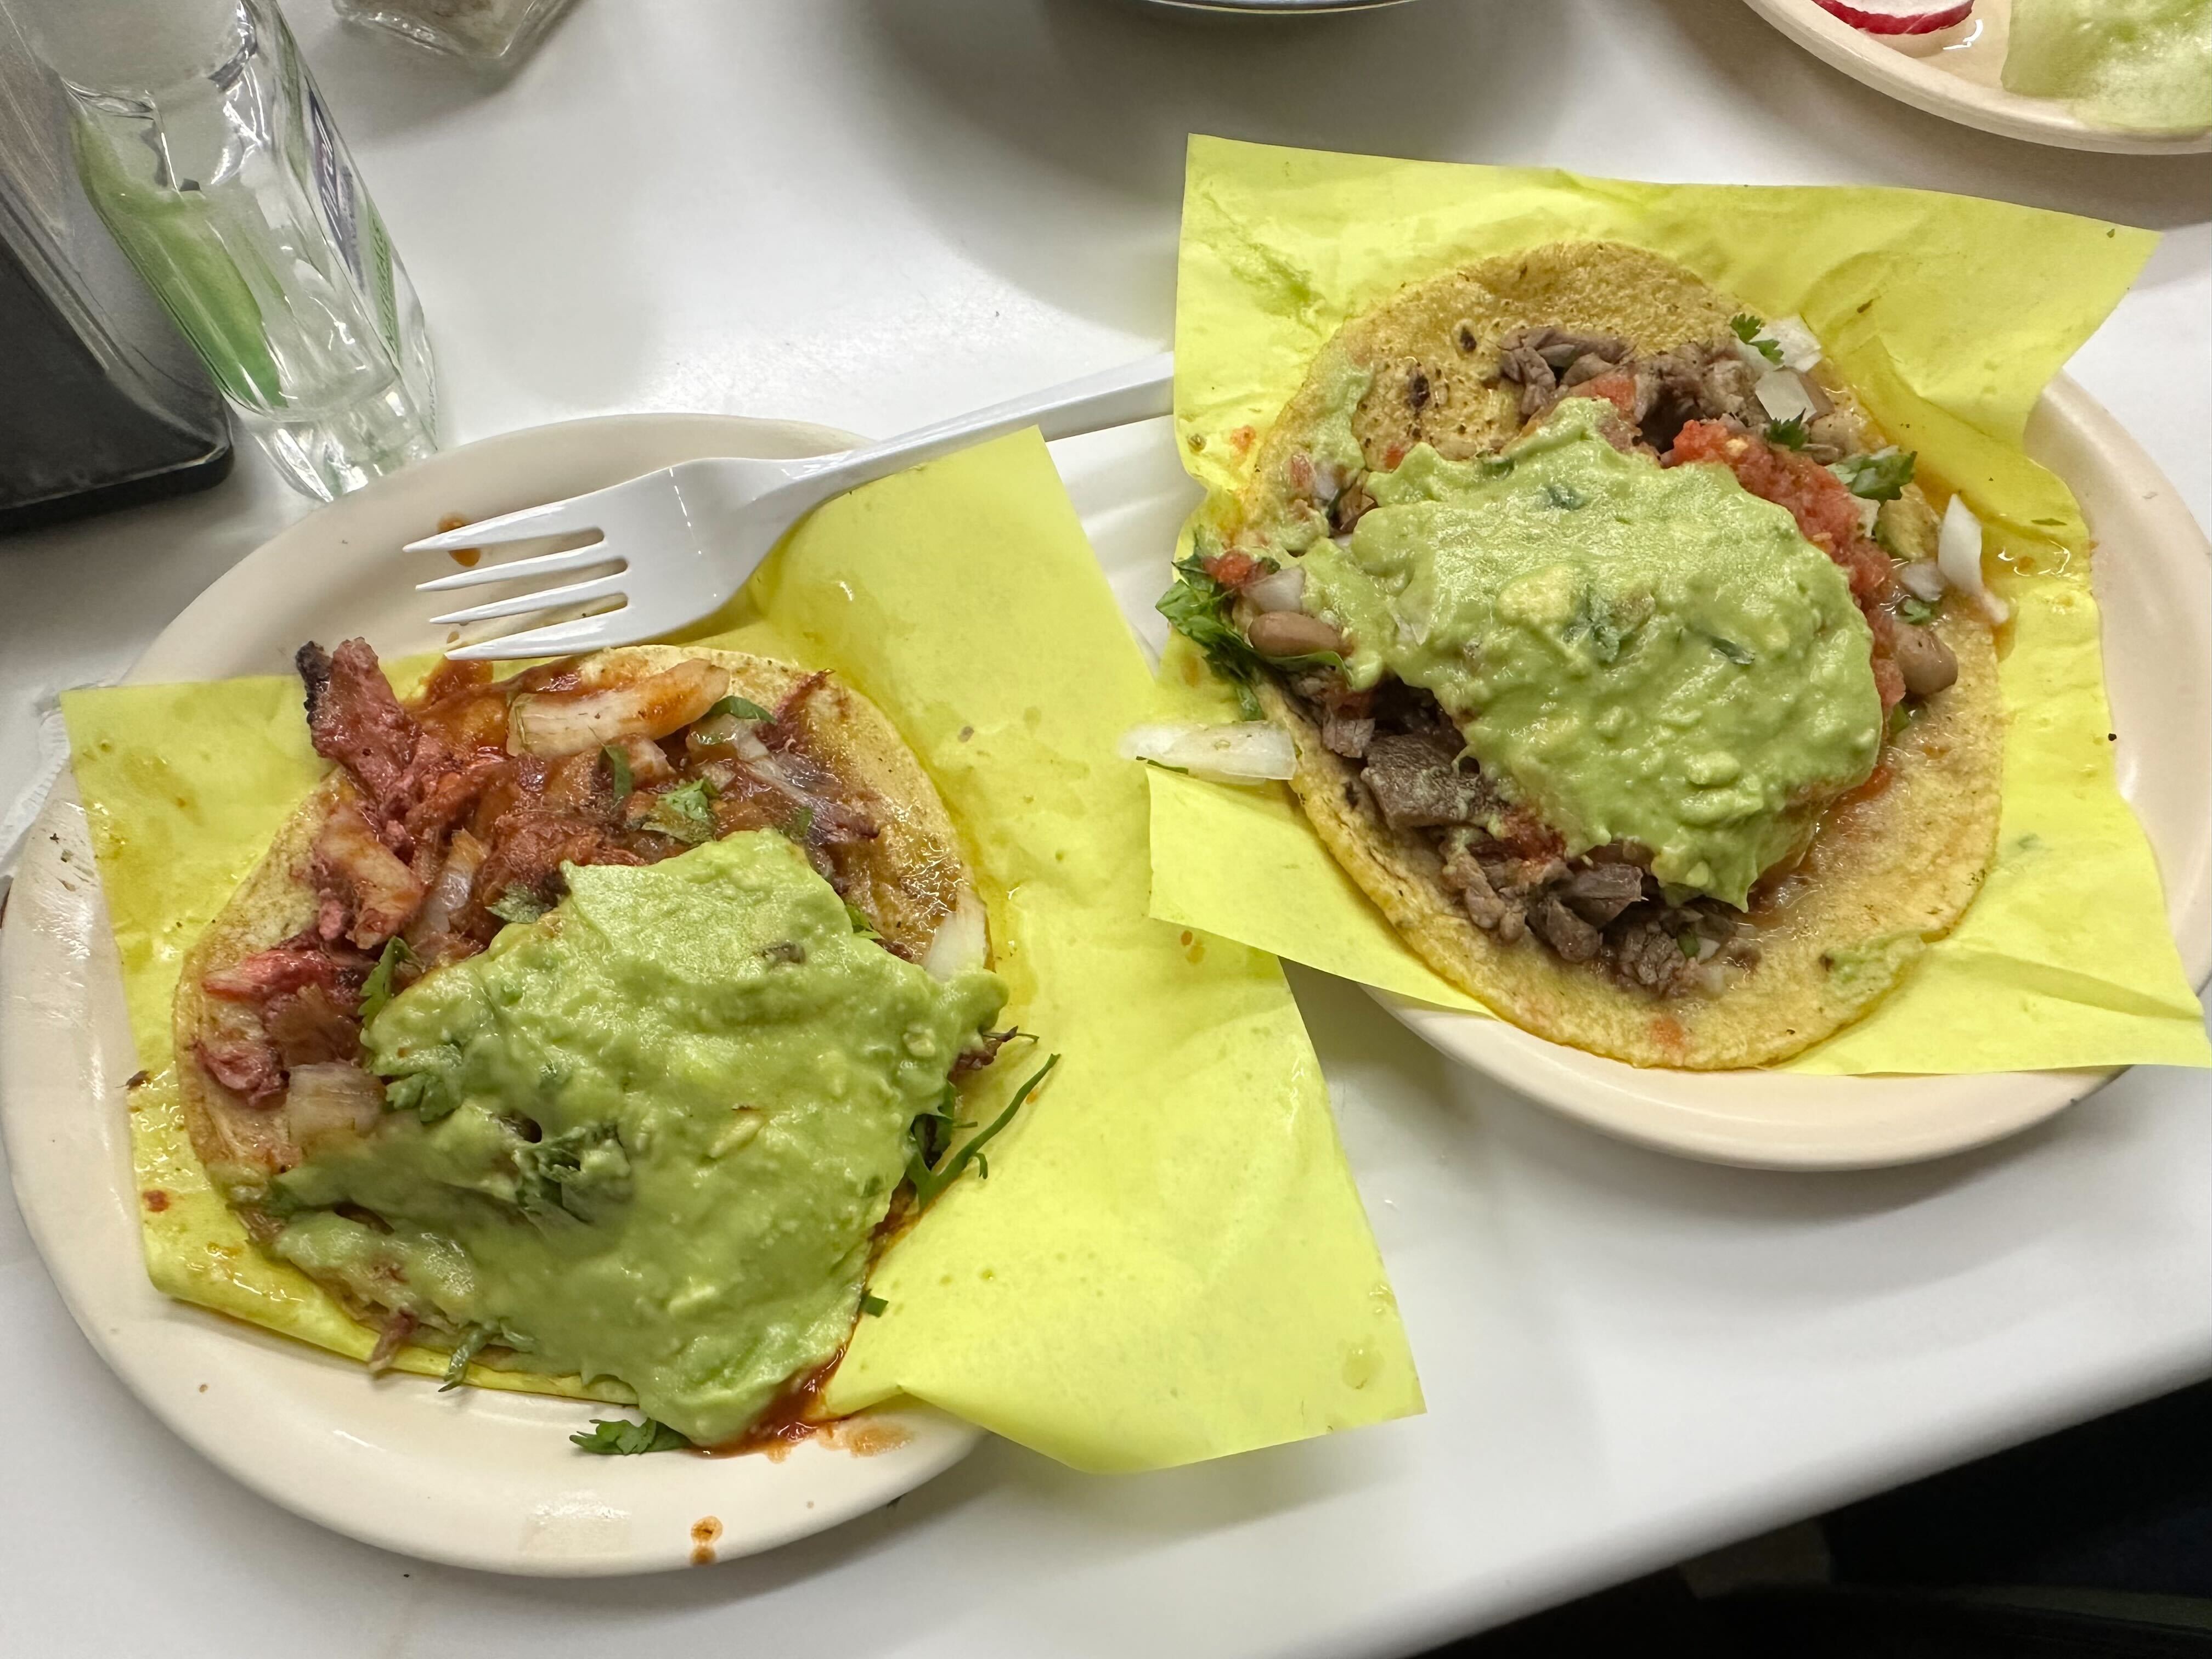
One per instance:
(594, 1022)
(1614, 647)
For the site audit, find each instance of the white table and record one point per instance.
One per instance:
(872, 212)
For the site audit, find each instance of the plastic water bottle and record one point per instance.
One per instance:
(202, 142)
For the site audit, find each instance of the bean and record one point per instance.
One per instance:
(1291, 634)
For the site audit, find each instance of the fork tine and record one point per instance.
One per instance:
(555, 640)
(542, 564)
(545, 599)
(550, 518)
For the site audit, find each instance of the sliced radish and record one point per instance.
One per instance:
(1899, 16)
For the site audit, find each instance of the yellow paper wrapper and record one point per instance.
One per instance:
(1948, 315)
(1168, 1260)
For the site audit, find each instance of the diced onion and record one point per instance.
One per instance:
(1783, 396)
(554, 723)
(963, 939)
(1280, 592)
(1801, 347)
(1922, 579)
(1250, 751)
(1868, 512)
(456, 878)
(332, 1099)
(1750, 356)
(1958, 552)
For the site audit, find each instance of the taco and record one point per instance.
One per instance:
(600, 1021)
(1618, 665)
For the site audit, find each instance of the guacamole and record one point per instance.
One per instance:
(647, 1137)
(1635, 654)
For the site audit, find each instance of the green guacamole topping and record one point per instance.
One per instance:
(649, 1136)
(1634, 652)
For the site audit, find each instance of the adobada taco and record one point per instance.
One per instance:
(594, 1021)
(1617, 662)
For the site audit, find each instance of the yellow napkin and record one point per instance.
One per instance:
(1168, 1260)
(1948, 315)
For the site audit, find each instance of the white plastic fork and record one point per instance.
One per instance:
(690, 535)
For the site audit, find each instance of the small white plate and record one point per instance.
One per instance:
(475, 1478)
(2153, 574)
(1959, 81)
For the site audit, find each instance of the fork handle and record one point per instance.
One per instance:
(1134, 391)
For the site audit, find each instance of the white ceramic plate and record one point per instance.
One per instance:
(2152, 573)
(1959, 81)
(2153, 579)
(474, 1477)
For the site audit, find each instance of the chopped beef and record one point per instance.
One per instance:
(1489, 910)
(313, 1025)
(529, 845)
(1350, 506)
(1599, 892)
(244, 1066)
(353, 865)
(397, 1330)
(1417, 781)
(1347, 737)
(402, 768)
(1542, 360)
(299, 962)
(1567, 934)
(1521, 364)
(1646, 954)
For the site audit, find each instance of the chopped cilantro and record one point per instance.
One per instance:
(1748, 328)
(1596, 619)
(1880, 476)
(1790, 434)
(859, 918)
(1917, 610)
(414, 1093)
(376, 990)
(543, 1169)
(518, 904)
(1688, 945)
(740, 708)
(933, 1129)
(618, 771)
(929, 1182)
(872, 1305)
(1899, 718)
(456, 1364)
(799, 825)
(1197, 607)
(1730, 649)
(685, 813)
(623, 1438)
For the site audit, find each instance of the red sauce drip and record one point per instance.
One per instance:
(785, 1422)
